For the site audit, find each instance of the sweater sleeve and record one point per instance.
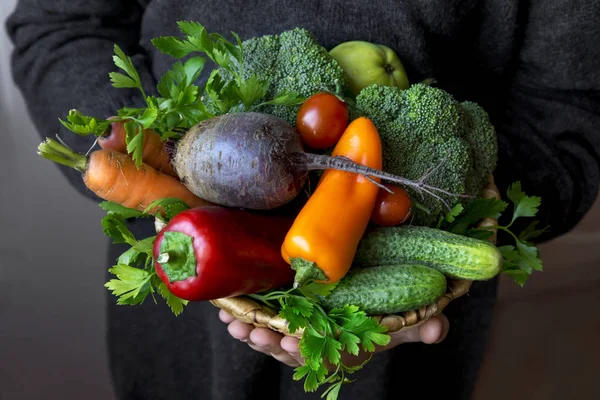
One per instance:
(549, 137)
(62, 58)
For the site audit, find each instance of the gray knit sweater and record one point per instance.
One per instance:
(533, 65)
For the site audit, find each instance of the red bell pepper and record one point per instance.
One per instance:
(214, 252)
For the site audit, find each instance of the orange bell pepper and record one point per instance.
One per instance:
(323, 239)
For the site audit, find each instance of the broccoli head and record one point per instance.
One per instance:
(292, 61)
(483, 144)
(425, 132)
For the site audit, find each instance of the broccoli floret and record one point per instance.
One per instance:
(432, 112)
(483, 144)
(260, 56)
(293, 61)
(380, 103)
(425, 129)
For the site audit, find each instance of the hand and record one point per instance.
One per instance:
(285, 348)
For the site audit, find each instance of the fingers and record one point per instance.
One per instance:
(240, 330)
(269, 342)
(290, 345)
(434, 330)
(285, 348)
(262, 340)
(225, 317)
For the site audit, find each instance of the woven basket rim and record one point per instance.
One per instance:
(249, 311)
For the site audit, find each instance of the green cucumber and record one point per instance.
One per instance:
(454, 255)
(387, 289)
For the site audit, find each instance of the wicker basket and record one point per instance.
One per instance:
(261, 316)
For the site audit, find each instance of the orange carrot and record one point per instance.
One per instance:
(154, 151)
(113, 176)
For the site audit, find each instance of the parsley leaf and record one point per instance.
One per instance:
(252, 90)
(173, 46)
(333, 391)
(295, 320)
(454, 212)
(139, 253)
(312, 289)
(134, 137)
(83, 125)
(175, 303)
(331, 350)
(113, 226)
(350, 342)
(147, 118)
(132, 79)
(312, 348)
(525, 206)
(367, 330)
(132, 284)
(531, 232)
(167, 208)
(300, 305)
(119, 209)
(284, 98)
(475, 212)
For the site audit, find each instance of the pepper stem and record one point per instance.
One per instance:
(306, 271)
(162, 258)
(177, 257)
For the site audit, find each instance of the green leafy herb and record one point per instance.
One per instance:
(252, 90)
(132, 79)
(139, 253)
(135, 274)
(284, 98)
(224, 95)
(531, 232)
(115, 208)
(132, 284)
(520, 259)
(83, 125)
(326, 335)
(175, 303)
(134, 137)
(182, 104)
(525, 206)
(171, 207)
(473, 213)
(114, 226)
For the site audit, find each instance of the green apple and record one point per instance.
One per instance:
(367, 63)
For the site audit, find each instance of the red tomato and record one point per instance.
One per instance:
(391, 209)
(321, 120)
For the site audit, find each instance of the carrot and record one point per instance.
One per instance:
(154, 151)
(113, 176)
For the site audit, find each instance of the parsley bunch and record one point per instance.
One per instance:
(181, 103)
(521, 259)
(135, 274)
(325, 334)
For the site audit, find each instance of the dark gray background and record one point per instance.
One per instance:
(52, 265)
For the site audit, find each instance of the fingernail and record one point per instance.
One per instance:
(445, 330)
(244, 340)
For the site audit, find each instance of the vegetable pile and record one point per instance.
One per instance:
(385, 178)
